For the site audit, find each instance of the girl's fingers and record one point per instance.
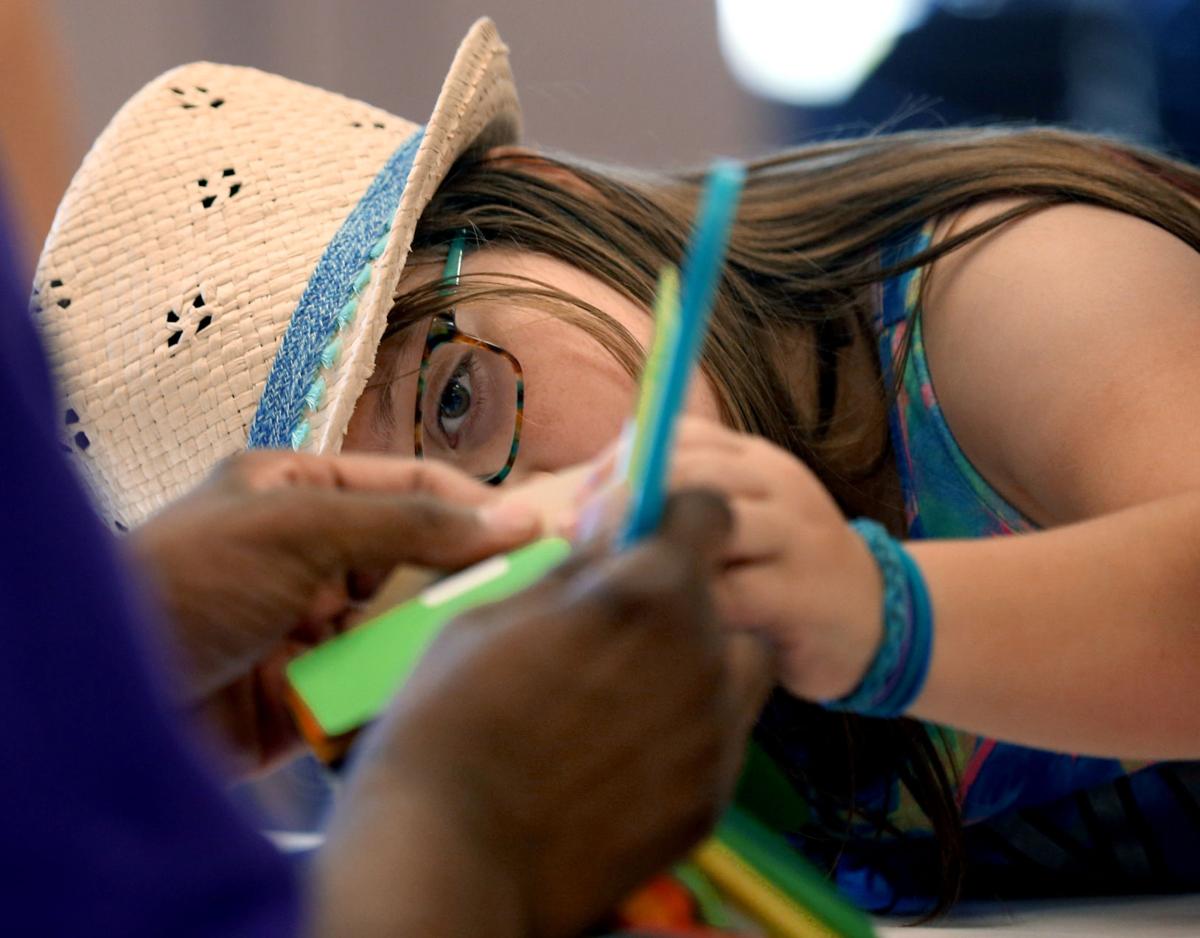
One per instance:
(727, 471)
(748, 600)
(696, 431)
(813, 660)
(708, 450)
(760, 533)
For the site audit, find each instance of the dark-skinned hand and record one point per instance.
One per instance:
(274, 553)
(552, 751)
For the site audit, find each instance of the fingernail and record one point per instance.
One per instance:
(509, 517)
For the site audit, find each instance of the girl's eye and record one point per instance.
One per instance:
(455, 401)
(467, 408)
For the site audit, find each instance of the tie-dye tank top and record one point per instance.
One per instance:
(1037, 822)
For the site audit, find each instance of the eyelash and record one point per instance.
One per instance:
(470, 365)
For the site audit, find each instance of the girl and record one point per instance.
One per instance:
(982, 339)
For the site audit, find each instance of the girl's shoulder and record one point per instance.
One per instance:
(1079, 231)
(1048, 336)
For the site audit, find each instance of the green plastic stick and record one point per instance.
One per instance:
(776, 861)
(348, 681)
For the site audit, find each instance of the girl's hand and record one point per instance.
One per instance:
(793, 570)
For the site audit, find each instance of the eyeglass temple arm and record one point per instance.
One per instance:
(454, 261)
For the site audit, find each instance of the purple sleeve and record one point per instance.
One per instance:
(111, 825)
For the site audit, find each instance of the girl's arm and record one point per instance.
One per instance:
(1065, 350)
(1085, 637)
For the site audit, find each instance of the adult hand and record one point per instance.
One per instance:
(551, 751)
(273, 553)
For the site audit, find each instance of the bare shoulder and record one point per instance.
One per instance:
(1057, 337)
(1055, 239)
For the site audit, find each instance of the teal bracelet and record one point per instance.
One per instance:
(897, 674)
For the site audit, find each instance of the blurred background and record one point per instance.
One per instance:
(647, 82)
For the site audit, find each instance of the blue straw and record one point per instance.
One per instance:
(700, 276)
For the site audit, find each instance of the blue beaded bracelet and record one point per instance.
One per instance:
(898, 671)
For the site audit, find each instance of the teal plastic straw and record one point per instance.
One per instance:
(701, 274)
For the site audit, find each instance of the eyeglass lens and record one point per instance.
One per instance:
(469, 408)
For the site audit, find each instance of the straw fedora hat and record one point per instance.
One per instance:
(220, 270)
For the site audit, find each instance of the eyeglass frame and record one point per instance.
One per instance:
(443, 330)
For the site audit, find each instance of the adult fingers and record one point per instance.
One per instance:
(669, 568)
(749, 675)
(750, 671)
(699, 522)
(366, 530)
(695, 524)
(263, 470)
(551, 495)
(373, 473)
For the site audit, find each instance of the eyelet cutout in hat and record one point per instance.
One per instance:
(220, 270)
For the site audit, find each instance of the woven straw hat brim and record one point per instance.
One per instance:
(220, 270)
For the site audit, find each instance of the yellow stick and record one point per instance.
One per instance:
(763, 902)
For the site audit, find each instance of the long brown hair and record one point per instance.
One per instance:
(803, 268)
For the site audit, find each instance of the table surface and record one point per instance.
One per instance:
(1139, 917)
(294, 799)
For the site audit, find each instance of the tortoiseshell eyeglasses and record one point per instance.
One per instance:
(470, 394)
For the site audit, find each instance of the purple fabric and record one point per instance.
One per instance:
(110, 824)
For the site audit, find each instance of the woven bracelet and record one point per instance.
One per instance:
(897, 673)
